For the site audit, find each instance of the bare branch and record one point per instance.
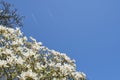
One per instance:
(9, 16)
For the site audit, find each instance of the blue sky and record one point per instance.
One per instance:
(87, 30)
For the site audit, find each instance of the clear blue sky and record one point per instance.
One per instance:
(87, 30)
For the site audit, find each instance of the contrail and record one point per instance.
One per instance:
(34, 19)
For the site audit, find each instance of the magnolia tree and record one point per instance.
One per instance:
(23, 59)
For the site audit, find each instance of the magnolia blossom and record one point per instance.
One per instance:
(21, 59)
(28, 75)
(3, 63)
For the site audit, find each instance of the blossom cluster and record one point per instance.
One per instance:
(23, 59)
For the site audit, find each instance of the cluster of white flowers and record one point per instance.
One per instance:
(21, 59)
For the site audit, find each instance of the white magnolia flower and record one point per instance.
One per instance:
(32, 39)
(7, 51)
(25, 38)
(28, 75)
(3, 63)
(20, 61)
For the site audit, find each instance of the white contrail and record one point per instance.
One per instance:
(34, 19)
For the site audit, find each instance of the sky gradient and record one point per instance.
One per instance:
(86, 30)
